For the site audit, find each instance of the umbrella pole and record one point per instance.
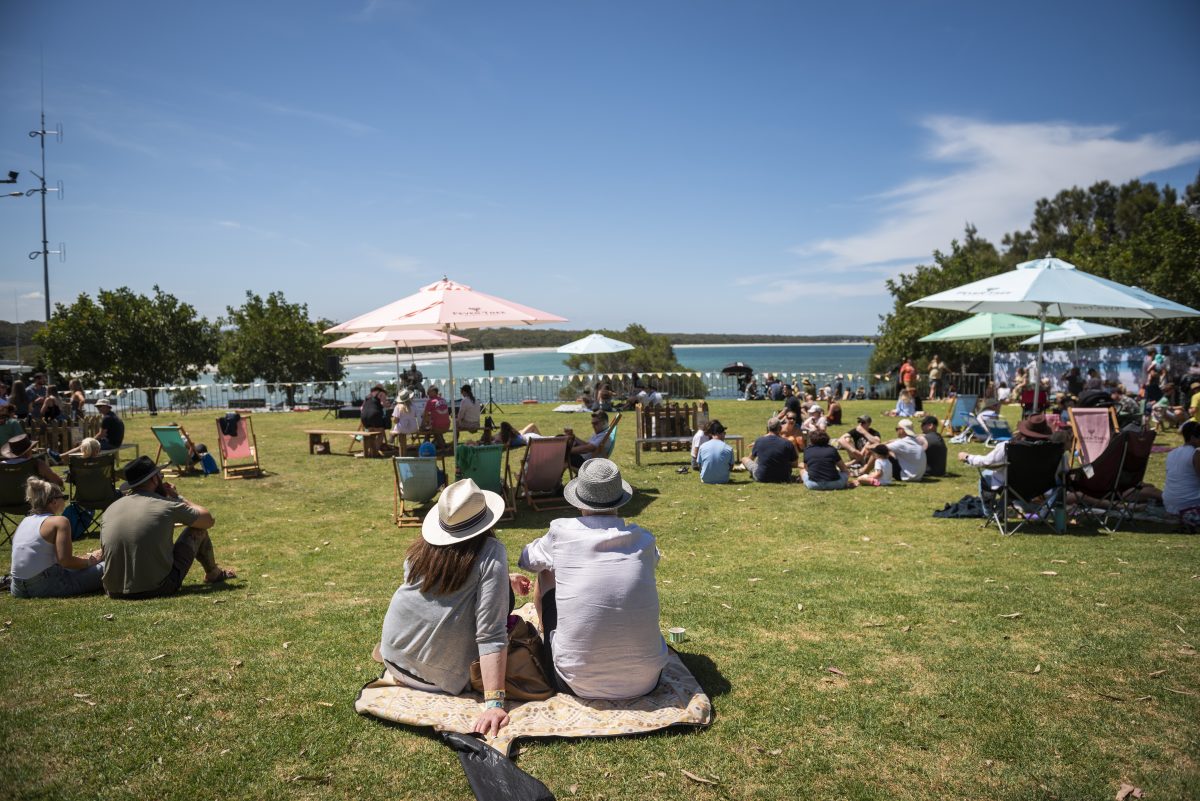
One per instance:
(991, 379)
(1037, 388)
(397, 344)
(450, 391)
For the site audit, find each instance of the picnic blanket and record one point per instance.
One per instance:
(678, 700)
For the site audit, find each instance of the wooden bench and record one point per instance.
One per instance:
(670, 428)
(372, 441)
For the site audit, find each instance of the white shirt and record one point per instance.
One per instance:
(607, 644)
(911, 456)
(1182, 488)
(883, 471)
(996, 461)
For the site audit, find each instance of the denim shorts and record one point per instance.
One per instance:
(826, 485)
(57, 581)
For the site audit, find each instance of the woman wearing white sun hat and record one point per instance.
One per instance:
(454, 603)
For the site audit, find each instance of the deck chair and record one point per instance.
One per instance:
(93, 484)
(239, 452)
(1093, 430)
(977, 428)
(1130, 477)
(173, 441)
(1032, 489)
(485, 465)
(611, 442)
(415, 485)
(542, 471)
(13, 506)
(960, 413)
(997, 431)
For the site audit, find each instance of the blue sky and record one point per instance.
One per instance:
(755, 167)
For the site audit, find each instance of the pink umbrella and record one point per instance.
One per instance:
(446, 306)
(397, 339)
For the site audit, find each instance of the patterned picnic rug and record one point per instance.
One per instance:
(678, 700)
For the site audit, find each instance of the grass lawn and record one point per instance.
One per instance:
(247, 690)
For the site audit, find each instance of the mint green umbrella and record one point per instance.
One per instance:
(989, 326)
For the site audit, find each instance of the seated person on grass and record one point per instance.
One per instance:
(823, 466)
(43, 562)
(715, 458)
(112, 428)
(790, 430)
(935, 447)
(815, 421)
(140, 561)
(453, 605)
(1181, 492)
(20, 449)
(880, 468)
(582, 450)
(833, 415)
(771, 457)
(595, 591)
(905, 406)
(859, 440)
(909, 452)
(701, 436)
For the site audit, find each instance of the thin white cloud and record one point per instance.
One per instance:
(32, 296)
(996, 172)
(343, 123)
(793, 290)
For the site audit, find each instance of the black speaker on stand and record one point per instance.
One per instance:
(489, 365)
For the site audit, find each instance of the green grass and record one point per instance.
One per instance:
(942, 697)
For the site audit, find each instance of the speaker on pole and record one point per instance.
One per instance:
(333, 364)
(489, 362)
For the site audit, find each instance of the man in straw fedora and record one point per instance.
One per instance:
(595, 591)
(140, 560)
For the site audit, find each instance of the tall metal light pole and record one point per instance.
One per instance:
(45, 251)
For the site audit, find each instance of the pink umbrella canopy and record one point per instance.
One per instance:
(401, 339)
(446, 306)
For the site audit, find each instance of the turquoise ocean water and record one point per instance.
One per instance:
(803, 359)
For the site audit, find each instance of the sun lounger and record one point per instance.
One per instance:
(961, 413)
(542, 471)
(173, 441)
(239, 451)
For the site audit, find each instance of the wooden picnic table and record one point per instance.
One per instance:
(372, 441)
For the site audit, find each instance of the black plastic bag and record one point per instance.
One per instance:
(493, 776)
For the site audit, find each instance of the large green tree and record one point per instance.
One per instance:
(129, 340)
(1136, 234)
(651, 353)
(275, 341)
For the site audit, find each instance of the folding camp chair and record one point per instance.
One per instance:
(13, 506)
(960, 413)
(173, 441)
(93, 484)
(977, 428)
(542, 472)
(1093, 430)
(241, 446)
(416, 482)
(485, 465)
(1032, 487)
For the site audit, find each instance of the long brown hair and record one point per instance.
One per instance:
(442, 569)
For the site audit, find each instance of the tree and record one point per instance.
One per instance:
(274, 340)
(129, 340)
(651, 353)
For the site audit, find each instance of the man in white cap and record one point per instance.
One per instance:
(816, 420)
(112, 428)
(140, 560)
(909, 451)
(596, 597)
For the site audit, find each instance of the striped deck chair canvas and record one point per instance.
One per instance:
(239, 451)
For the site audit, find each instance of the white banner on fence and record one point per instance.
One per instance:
(1125, 365)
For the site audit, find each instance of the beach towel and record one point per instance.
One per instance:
(678, 700)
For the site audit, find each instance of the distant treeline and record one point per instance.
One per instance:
(8, 340)
(504, 338)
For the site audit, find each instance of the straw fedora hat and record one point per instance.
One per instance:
(463, 511)
(598, 487)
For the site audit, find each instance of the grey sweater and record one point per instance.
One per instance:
(437, 637)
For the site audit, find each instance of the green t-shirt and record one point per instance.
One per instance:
(9, 429)
(136, 536)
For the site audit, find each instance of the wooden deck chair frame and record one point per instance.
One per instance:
(539, 498)
(610, 441)
(93, 484)
(13, 506)
(960, 419)
(1085, 458)
(178, 469)
(402, 507)
(239, 469)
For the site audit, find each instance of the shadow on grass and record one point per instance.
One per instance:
(705, 670)
(641, 499)
(200, 588)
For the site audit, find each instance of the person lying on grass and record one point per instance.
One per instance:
(595, 592)
(140, 560)
(453, 605)
(43, 564)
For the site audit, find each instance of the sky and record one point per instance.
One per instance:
(701, 166)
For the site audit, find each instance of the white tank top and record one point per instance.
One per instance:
(1182, 488)
(31, 554)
